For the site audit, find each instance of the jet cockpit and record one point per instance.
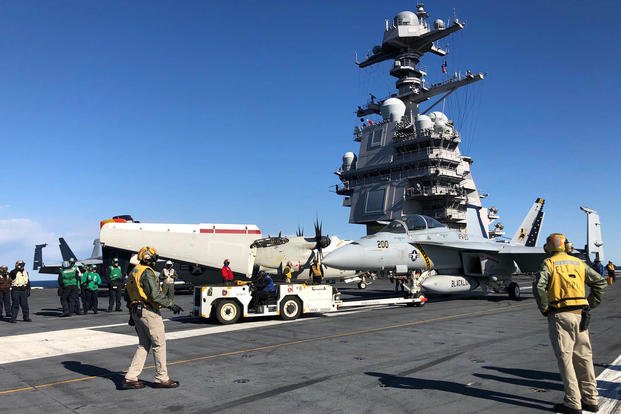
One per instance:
(413, 223)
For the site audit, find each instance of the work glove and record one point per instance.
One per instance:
(545, 312)
(131, 322)
(176, 309)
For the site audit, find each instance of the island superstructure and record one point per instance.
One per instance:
(410, 161)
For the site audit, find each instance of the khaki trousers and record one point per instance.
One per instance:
(169, 290)
(150, 330)
(575, 358)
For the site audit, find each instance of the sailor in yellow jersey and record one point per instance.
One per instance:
(610, 269)
(316, 272)
(287, 272)
(561, 296)
(145, 298)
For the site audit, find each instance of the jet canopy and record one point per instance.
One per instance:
(413, 223)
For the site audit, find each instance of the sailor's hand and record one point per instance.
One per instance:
(176, 309)
(545, 311)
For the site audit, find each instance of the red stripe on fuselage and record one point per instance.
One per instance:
(230, 231)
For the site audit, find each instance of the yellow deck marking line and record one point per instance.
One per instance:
(279, 345)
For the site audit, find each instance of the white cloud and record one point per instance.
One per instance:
(18, 237)
(17, 231)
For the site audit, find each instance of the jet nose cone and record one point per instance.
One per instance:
(347, 257)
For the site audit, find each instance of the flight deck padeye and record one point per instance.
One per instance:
(409, 162)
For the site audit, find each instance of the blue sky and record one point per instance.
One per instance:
(239, 112)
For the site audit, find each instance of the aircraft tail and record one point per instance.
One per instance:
(595, 243)
(37, 262)
(65, 250)
(97, 253)
(528, 232)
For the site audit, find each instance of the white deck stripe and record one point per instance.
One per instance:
(26, 347)
(609, 388)
(48, 344)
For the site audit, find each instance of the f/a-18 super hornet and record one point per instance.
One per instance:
(449, 261)
(66, 254)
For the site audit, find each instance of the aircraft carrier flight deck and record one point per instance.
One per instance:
(469, 353)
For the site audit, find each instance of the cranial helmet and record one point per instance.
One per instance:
(72, 260)
(557, 242)
(66, 264)
(147, 255)
(169, 263)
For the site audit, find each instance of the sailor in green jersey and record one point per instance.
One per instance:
(76, 293)
(68, 281)
(115, 285)
(91, 284)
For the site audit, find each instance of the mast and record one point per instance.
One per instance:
(410, 162)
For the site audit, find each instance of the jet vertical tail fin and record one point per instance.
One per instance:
(595, 243)
(97, 253)
(65, 250)
(528, 232)
(37, 262)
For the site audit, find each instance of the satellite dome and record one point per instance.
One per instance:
(438, 118)
(423, 122)
(406, 18)
(349, 158)
(439, 24)
(392, 109)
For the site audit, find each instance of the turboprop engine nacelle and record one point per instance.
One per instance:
(449, 284)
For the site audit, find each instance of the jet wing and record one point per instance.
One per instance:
(470, 246)
(91, 261)
(528, 259)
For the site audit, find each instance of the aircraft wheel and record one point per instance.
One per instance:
(290, 308)
(227, 312)
(362, 285)
(514, 291)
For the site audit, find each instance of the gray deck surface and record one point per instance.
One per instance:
(465, 354)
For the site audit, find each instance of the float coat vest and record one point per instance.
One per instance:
(134, 287)
(69, 277)
(115, 273)
(566, 283)
(287, 272)
(316, 270)
(92, 281)
(21, 279)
